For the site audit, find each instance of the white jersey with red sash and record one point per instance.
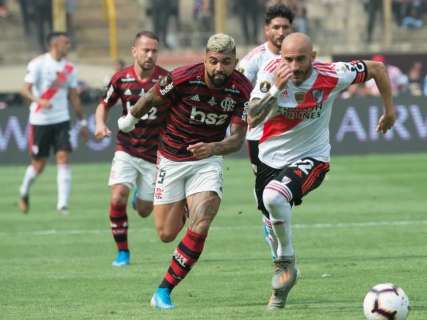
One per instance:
(298, 125)
(50, 80)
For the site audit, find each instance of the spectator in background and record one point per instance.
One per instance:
(415, 79)
(161, 11)
(398, 80)
(4, 11)
(249, 13)
(354, 91)
(372, 7)
(26, 14)
(203, 17)
(413, 19)
(301, 20)
(70, 10)
(43, 19)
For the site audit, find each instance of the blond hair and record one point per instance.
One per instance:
(221, 42)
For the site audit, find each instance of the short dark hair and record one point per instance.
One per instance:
(55, 34)
(278, 10)
(147, 34)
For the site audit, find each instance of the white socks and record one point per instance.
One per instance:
(29, 177)
(64, 185)
(280, 215)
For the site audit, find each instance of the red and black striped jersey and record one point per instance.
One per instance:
(141, 142)
(198, 113)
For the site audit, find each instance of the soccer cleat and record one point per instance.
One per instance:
(63, 211)
(122, 259)
(134, 198)
(284, 278)
(24, 203)
(161, 299)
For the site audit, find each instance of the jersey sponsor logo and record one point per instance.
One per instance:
(264, 86)
(127, 79)
(199, 116)
(302, 113)
(166, 85)
(232, 90)
(198, 81)
(228, 104)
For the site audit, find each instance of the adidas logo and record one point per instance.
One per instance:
(195, 98)
(128, 92)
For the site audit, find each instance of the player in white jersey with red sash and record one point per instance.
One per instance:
(50, 83)
(293, 100)
(278, 24)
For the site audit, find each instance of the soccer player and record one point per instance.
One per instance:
(50, 84)
(278, 24)
(205, 99)
(134, 163)
(293, 99)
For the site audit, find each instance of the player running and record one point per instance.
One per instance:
(278, 24)
(293, 99)
(50, 83)
(134, 163)
(205, 99)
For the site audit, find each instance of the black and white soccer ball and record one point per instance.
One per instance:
(386, 301)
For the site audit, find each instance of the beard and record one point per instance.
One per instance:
(146, 65)
(218, 79)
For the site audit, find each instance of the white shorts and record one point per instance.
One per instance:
(176, 180)
(133, 172)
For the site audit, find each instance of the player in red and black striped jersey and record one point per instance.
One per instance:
(204, 100)
(136, 151)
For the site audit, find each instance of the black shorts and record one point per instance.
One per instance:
(300, 178)
(44, 137)
(253, 154)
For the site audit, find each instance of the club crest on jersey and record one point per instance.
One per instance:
(317, 95)
(299, 97)
(264, 86)
(228, 104)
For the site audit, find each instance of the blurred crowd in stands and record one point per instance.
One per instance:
(406, 14)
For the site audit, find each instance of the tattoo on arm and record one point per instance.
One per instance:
(259, 108)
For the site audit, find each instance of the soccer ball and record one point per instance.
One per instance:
(386, 301)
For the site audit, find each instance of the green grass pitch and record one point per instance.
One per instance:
(366, 224)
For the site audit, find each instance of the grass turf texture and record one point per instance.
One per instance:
(365, 225)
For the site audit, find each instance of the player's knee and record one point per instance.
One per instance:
(166, 236)
(119, 197)
(273, 199)
(144, 210)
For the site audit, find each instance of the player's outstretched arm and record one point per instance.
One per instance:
(74, 97)
(142, 106)
(101, 116)
(378, 72)
(232, 143)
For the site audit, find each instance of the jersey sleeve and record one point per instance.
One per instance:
(73, 79)
(249, 67)
(111, 94)
(350, 72)
(32, 72)
(167, 86)
(263, 84)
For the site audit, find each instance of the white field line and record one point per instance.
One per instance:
(369, 224)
